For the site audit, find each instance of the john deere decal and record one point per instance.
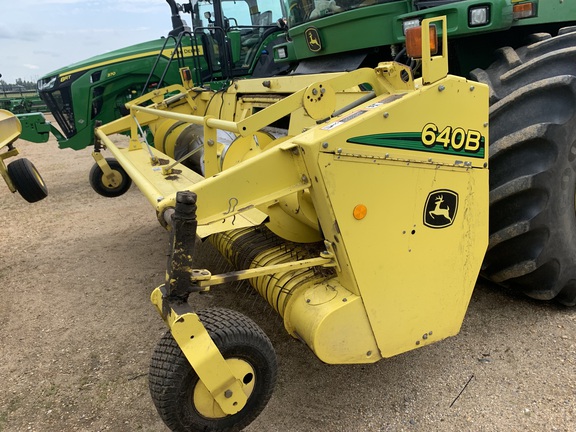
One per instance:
(440, 208)
(313, 39)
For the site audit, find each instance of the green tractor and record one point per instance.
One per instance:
(525, 51)
(228, 39)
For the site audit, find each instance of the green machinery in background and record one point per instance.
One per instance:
(18, 100)
(22, 102)
(218, 47)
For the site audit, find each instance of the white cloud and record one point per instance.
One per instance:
(51, 34)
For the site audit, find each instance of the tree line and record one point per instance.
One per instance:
(19, 85)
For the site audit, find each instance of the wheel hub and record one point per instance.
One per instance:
(205, 403)
(112, 181)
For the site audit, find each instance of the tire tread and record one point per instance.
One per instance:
(169, 368)
(533, 175)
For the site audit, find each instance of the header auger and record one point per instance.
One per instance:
(374, 175)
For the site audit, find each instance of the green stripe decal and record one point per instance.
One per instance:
(412, 141)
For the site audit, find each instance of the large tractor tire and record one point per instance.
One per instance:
(532, 245)
(185, 404)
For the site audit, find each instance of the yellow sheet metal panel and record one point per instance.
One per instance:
(417, 253)
(260, 180)
(287, 226)
(248, 218)
(447, 122)
(417, 163)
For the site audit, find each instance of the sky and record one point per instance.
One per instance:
(40, 36)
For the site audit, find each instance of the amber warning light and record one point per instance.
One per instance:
(523, 10)
(414, 41)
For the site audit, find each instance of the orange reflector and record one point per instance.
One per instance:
(524, 10)
(414, 41)
(360, 211)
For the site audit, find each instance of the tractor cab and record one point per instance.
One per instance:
(301, 11)
(237, 36)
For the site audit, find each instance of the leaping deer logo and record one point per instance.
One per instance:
(313, 39)
(439, 211)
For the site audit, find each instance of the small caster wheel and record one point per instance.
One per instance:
(185, 404)
(106, 186)
(27, 180)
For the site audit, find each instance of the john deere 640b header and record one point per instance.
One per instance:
(376, 174)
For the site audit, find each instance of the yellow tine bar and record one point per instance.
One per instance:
(200, 120)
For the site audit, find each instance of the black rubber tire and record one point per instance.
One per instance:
(532, 245)
(27, 180)
(172, 380)
(106, 190)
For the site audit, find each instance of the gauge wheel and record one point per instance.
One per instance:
(27, 180)
(182, 400)
(107, 187)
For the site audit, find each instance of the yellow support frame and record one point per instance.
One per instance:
(434, 68)
(200, 350)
